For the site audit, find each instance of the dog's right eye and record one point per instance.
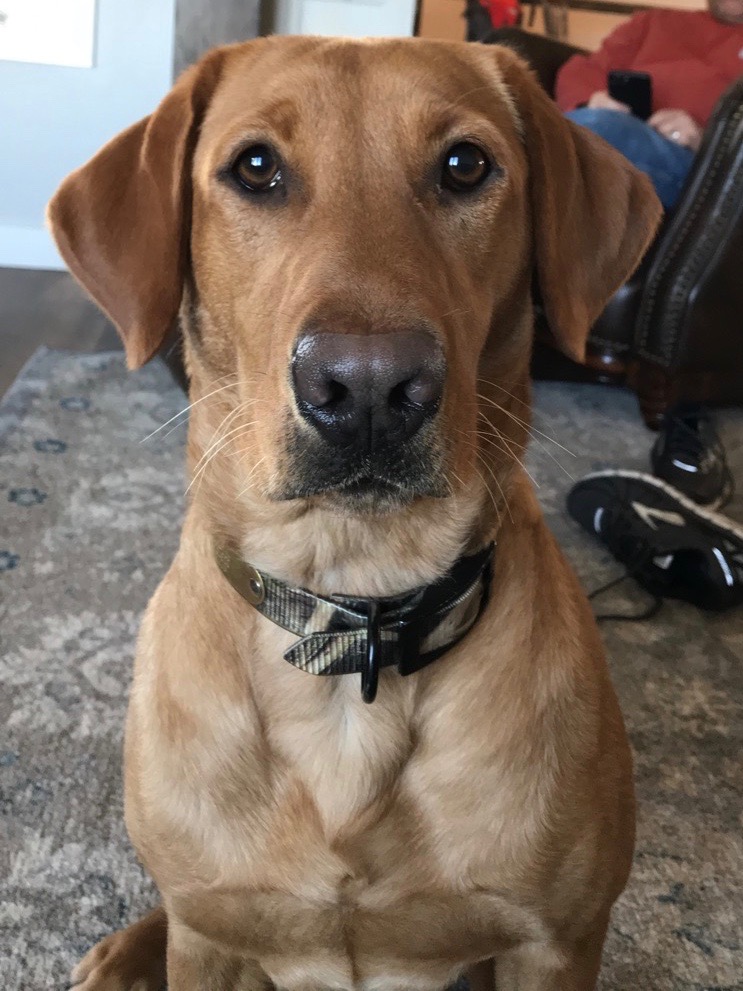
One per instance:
(466, 166)
(258, 169)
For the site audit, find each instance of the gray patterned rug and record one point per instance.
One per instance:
(89, 520)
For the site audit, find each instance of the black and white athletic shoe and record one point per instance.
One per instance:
(689, 455)
(670, 545)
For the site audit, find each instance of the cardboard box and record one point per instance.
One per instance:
(442, 19)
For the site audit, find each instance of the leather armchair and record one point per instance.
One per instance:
(675, 331)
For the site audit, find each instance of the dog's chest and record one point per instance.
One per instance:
(354, 865)
(374, 908)
(346, 757)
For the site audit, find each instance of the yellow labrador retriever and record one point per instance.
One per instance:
(349, 232)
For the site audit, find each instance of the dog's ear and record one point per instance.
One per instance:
(121, 222)
(594, 214)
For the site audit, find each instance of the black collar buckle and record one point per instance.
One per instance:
(370, 670)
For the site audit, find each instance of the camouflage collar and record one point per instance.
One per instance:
(349, 635)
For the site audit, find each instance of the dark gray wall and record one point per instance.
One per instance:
(202, 24)
(269, 13)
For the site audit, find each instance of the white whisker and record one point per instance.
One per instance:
(255, 468)
(219, 434)
(532, 430)
(524, 424)
(528, 407)
(190, 406)
(222, 444)
(500, 489)
(495, 436)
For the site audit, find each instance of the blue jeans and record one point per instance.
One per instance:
(666, 162)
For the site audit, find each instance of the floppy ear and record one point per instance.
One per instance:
(594, 213)
(121, 222)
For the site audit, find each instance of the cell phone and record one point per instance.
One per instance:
(633, 88)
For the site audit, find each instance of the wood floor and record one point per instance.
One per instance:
(48, 308)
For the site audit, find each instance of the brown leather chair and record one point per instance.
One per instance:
(675, 331)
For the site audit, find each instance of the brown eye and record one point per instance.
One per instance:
(465, 167)
(258, 169)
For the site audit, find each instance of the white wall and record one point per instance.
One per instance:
(48, 31)
(359, 18)
(53, 118)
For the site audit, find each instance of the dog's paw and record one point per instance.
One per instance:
(130, 960)
(112, 966)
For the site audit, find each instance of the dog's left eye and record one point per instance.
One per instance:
(258, 169)
(465, 167)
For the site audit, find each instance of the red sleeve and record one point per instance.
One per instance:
(583, 75)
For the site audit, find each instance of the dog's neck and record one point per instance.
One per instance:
(368, 556)
(314, 548)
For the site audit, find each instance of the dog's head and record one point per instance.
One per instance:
(350, 231)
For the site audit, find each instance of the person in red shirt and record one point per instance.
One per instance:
(692, 57)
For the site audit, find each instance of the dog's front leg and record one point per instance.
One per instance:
(197, 964)
(531, 967)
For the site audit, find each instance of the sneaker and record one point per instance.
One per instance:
(689, 455)
(671, 546)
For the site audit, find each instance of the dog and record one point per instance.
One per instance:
(349, 233)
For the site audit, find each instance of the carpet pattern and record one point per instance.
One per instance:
(89, 520)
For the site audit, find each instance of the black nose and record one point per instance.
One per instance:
(370, 389)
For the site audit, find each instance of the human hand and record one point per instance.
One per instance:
(677, 126)
(600, 100)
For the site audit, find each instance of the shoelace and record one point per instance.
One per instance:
(640, 555)
(685, 443)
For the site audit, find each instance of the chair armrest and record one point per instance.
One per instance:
(545, 55)
(693, 298)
